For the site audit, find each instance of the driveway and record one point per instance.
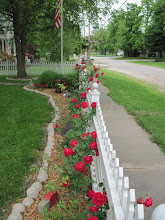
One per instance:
(149, 74)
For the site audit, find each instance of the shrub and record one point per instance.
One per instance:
(50, 78)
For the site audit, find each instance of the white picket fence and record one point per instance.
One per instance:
(36, 68)
(106, 168)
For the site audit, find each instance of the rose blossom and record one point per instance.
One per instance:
(76, 64)
(82, 63)
(99, 199)
(93, 104)
(90, 79)
(94, 134)
(95, 69)
(93, 145)
(67, 152)
(72, 152)
(148, 202)
(56, 126)
(88, 89)
(98, 81)
(66, 184)
(83, 67)
(79, 166)
(84, 105)
(91, 194)
(97, 153)
(140, 201)
(88, 159)
(84, 170)
(74, 116)
(77, 106)
(104, 192)
(102, 73)
(83, 95)
(93, 209)
(73, 143)
(93, 218)
(97, 75)
(74, 100)
(76, 68)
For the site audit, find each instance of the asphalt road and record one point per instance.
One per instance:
(149, 74)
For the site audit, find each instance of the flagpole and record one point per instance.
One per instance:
(62, 37)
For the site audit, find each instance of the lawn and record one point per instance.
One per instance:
(150, 63)
(133, 58)
(143, 101)
(23, 117)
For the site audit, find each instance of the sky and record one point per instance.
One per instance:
(116, 6)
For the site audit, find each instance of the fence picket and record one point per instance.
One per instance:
(37, 67)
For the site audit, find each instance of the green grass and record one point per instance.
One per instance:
(150, 63)
(133, 58)
(141, 100)
(102, 55)
(22, 118)
(3, 79)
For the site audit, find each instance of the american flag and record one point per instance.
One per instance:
(58, 15)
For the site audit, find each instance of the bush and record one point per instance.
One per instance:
(49, 77)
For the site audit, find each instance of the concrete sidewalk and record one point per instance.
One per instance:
(142, 160)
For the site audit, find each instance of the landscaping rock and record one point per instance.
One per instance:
(50, 127)
(27, 201)
(37, 186)
(42, 176)
(17, 208)
(51, 133)
(50, 139)
(15, 216)
(32, 193)
(44, 203)
(48, 149)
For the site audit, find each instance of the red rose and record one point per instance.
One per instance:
(82, 63)
(148, 202)
(74, 101)
(90, 79)
(104, 192)
(84, 170)
(73, 143)
(97, 153)
(77, 106)
(97, 75)
(67, 86)
(88, 159)
(99, 199)
(74, 116)
(72, 152)
(102, 73)
(98, 81)
(76, 64)
(67, 152)
(56, 126)
(84, 105)
(93, 145)
(64, 83)
(88, 89)
(91, 194)
(79, 141)
(93, 218)
(79, 166)
(94, 134)
(66, 184)
(95, 69)
(76, 68)
(83, 67)
(93, 104)
(85, 135)
(140, 201)
(46, 85)
(93, 209)
(83, 95)
(93, 66)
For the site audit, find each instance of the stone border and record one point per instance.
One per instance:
(10, 78)
(35, 188)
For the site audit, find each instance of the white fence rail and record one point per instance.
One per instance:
(36, 68)
(106, 168)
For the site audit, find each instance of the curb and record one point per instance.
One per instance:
(35, 188)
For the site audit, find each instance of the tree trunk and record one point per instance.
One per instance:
(20, 42)
(89, 47)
